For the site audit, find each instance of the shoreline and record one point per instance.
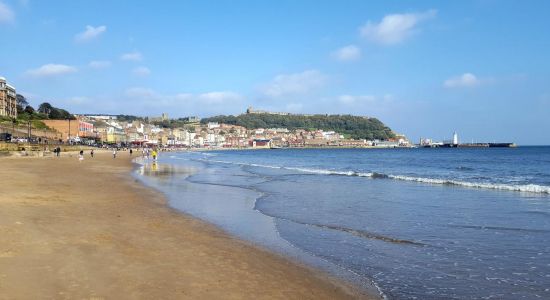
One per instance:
(243, 214)
(89, 229)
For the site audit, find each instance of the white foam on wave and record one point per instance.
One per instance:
(526, 188)
(330, 172)
(529, 188)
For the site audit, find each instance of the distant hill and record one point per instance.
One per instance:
(352, 126)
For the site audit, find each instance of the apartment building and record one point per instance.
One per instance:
(8, 99)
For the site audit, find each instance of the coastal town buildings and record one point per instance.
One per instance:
(8, 99)
(71, 129)
(188, 132)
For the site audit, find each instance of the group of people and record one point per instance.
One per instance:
(81, 155)
(146, 152)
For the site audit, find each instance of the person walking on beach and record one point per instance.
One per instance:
(58, 151)
(131, 152)
(92, 153)
(81, 155)
(154, 154)
(114, 153)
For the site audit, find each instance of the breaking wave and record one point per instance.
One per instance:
(526, 188)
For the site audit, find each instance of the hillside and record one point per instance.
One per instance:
(352, 126)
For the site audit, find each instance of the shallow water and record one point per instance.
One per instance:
(420, 223)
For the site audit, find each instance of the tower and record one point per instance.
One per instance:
(455, 139)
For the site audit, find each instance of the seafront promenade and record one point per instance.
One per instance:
(83, 230)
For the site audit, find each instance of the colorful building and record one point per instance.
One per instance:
(73, 128)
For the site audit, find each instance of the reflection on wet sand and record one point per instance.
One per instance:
(163, 171)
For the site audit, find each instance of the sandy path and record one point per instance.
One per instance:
(89, 231)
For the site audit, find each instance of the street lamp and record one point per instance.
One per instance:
(29, 131)
(69, 137)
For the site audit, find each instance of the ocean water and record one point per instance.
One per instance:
(412, 223)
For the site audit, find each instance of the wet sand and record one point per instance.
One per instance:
(88, 230)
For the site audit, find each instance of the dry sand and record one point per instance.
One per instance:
(88, 230)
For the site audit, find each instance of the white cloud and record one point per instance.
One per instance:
(350, 99)
(132, 56)
(141, 71)
(99, 64)
(50, 70)
(297, 83)
(464, 80)
(363, 99)
(151, 97)
(219, 97)
(90, 33)
(6, 14)
(347, 53)
(394, 28)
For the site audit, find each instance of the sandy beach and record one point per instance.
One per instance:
(88, 230)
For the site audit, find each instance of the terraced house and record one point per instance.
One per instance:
(8, 99)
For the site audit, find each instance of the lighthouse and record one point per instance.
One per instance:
(455, 139)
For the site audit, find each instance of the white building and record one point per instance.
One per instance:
(212, 125)
(8, 99)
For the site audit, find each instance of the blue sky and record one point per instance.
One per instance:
(425, 68)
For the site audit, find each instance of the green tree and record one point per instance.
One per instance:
(21, 103)
(355, 126)
(45, 108)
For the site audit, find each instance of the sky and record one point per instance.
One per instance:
(424, 68)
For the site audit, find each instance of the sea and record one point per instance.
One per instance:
(446, 223)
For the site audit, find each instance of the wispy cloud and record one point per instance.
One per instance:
(132, 56)
(394, 28)
(210, 102)
(215, 97)
(364, 99)
(350, 99)
(141, 71)
(90, 33)
(347, 53)
(6, 14)
(99, 64)
(296, 83)
(51, 70)
(464, 80)
(219, 97)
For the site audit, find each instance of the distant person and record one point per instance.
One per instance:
(92, 153)
(58, 151)
(154, 154)
(81, 155)
(114, 153)
(131, 152)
